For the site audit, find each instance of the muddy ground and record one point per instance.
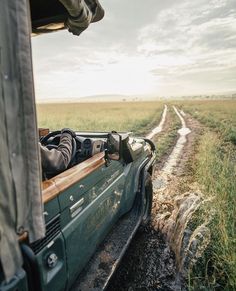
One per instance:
(157, 258)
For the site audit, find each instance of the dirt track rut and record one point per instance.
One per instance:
(157, 258)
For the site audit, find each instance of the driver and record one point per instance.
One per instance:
(55, 161)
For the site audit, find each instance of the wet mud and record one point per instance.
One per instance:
(160, 256)
(175, 211)
(149, 264)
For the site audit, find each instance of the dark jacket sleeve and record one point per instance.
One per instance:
(57, 160)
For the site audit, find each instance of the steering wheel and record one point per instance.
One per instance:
(51, 141)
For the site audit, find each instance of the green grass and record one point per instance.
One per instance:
(217, 115)
(216, 172)
(138, 117)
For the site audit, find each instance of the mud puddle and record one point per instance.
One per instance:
(160, 256)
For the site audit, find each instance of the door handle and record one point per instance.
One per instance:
(76, 208)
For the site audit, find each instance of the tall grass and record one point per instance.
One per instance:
(121, 116)
(216, 172)
(218, 115)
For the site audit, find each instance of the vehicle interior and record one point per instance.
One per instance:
(83, 148)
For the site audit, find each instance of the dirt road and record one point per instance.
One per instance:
(160, 255)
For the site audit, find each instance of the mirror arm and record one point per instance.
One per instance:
(107, 159)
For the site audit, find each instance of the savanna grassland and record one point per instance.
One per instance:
(220, 116)
(138, 117)
(213, 165)
(215, 170)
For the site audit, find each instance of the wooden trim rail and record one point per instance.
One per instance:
(53, 187)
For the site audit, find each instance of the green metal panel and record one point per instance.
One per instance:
(97, 215)
(18, 282)
(68, 197)
(101, 179)
(54, 278)
(51, 209)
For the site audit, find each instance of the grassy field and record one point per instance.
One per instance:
(215, 171)
(214, 166)
(138, 117)
(217, 115)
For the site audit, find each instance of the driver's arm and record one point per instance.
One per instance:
(57, 160)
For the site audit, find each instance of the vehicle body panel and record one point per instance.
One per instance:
(95, 216)
(53, 278)
(18, 282)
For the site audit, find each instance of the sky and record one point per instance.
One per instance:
(142, 48)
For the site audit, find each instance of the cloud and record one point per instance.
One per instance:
(188, 25)
(169, 47)
(193, 39)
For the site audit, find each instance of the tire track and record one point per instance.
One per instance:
(159, 128)
(149, 263)
(178, 148)
(159, 256)
(174, 211)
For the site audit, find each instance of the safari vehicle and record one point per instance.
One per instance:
(70, 231)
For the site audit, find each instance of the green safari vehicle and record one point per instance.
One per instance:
(70, 231)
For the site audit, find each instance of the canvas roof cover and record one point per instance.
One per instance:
(76, 15)
(20, 176)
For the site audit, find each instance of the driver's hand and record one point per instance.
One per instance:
(68, 130)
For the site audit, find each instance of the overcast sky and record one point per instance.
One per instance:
(155, 47)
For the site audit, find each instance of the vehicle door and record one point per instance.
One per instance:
(89, 209)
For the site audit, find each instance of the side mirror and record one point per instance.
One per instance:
(113, 146)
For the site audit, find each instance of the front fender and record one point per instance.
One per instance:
(144, 168)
